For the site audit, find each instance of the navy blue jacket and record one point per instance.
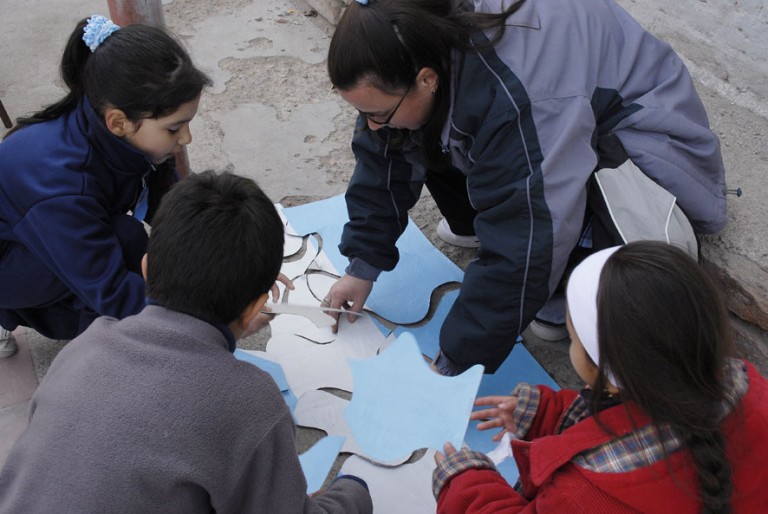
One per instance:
(523, 124)
(62, 184)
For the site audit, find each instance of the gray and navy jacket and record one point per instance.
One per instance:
(524, 120)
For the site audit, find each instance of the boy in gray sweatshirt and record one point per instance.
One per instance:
(153, 413)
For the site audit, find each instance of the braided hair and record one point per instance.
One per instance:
(663, 332)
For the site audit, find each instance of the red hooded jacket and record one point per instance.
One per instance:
(554, 484)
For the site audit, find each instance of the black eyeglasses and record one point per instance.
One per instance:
(386, 121)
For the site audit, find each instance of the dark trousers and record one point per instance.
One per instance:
(32, 295)
(449, 190)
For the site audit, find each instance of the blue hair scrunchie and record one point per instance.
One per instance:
(362, 2)
(97, 30)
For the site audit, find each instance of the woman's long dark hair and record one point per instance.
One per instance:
(387, 42)
(139, 69)
(663, 331)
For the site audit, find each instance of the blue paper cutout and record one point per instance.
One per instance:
(402, 295)
(428, 334)
(400, 405)
(273, 368)
(318, 460)
(520, 366)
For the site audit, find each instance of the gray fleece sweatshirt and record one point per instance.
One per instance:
(154, 414)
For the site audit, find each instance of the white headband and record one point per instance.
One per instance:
(582, 302)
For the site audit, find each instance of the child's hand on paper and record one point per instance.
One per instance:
(276, 290)
(449, 450)
(263, 319)
(499, 415)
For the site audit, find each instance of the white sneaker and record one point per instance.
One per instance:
(548, 331)
(8, 344)
(444, 233)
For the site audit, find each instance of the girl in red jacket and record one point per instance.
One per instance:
(668, 420)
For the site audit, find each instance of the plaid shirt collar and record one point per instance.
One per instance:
(650, 443)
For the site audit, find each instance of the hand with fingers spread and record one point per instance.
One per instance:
(348, 293)
(498, 415)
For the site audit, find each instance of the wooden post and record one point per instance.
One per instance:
(147, 12)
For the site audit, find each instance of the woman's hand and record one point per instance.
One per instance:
(499, 415)
(349, 293)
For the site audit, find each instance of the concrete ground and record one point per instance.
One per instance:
(271, 115)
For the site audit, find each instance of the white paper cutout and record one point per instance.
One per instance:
(406, 489)
(323, 410)
(308, 366)
(298, 325)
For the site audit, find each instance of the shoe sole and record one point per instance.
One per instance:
(547, 333)
(445, 234)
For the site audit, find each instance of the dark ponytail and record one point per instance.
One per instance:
(76, 54)
(139, 69)
(671, 358)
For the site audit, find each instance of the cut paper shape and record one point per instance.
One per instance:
(519, 366)
(325, 411)
(503, 449)
(296, 268)
(309, 366)
(401, 296)
(406, 489)
(290, 324)
(318, 461)
(293, 242)
(400, 405)
(292, 245)
(314, 313)
(268, 364)
(428, 334)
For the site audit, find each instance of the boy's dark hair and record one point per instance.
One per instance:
(663, 331)
(216, 246)
(139, 69)
(387, 42)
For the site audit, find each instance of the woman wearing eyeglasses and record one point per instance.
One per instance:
(504, 110)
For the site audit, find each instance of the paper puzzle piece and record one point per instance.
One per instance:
(309, 366)
(318, 461)
(319, 284)
(323, 410)
(296, 268)
(314, 313)
(421, 269)
(400, 405)
(263, 361)
(406, 489)
(299, 325)
(293, 242)
(428, 334)
(520, 366)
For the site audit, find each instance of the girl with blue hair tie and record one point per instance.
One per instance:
(504, 110)
(669, 420)
(71, 173)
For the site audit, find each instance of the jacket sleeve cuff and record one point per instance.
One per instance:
(358, 268)
(463, 460)
(528, 400)
(355, 478)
